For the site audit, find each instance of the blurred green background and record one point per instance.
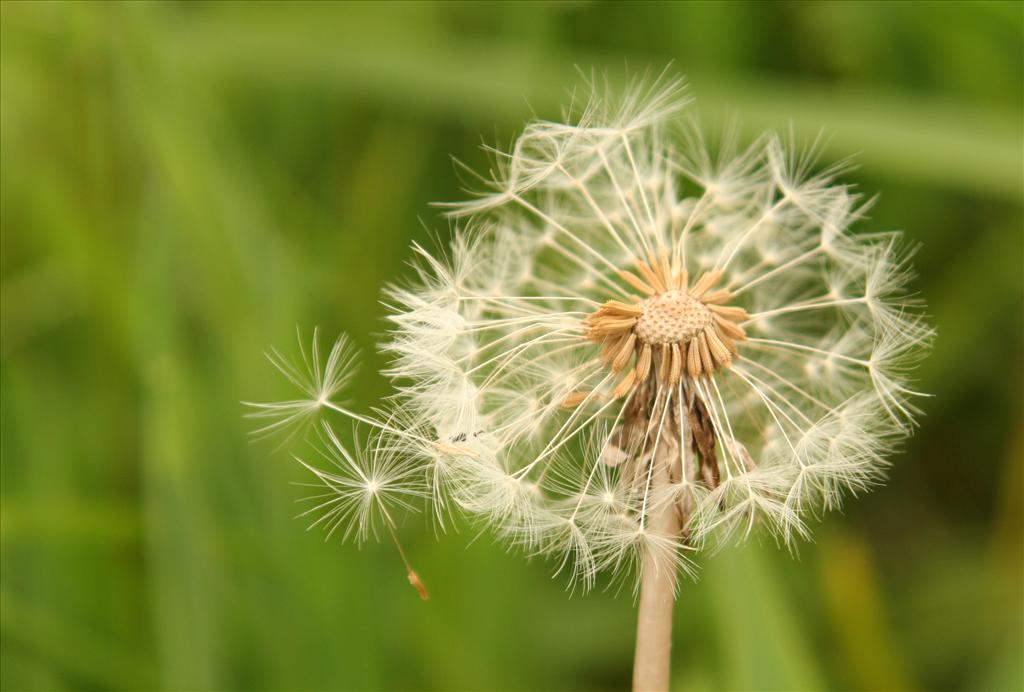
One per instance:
(184, 183)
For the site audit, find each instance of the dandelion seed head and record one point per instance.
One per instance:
(638, 325)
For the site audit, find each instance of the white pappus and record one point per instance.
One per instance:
(638, 344)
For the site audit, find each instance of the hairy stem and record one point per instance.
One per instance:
(652, 661)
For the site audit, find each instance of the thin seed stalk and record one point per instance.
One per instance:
(652, 660)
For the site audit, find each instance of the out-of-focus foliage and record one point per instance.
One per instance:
(183, 183)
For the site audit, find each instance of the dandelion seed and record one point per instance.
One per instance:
(318, 380)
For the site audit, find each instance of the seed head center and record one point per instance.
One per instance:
(679, 329)
(671, 317)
